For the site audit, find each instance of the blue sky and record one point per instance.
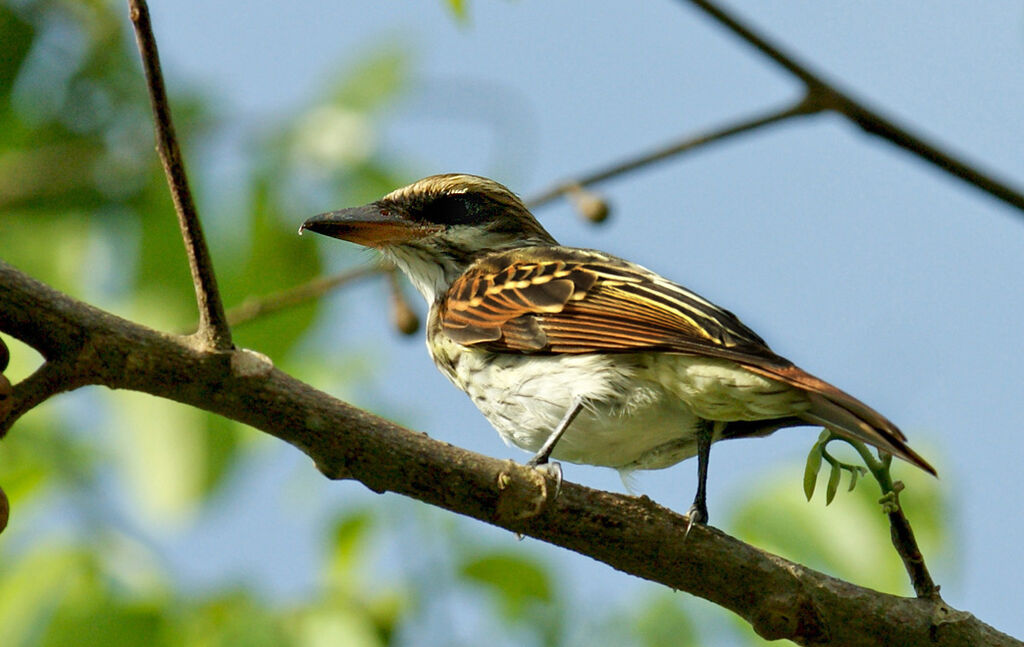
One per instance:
(860, 263)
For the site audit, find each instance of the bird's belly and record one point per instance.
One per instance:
(628, 422)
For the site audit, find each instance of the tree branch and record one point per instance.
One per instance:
(779, 598)
(901, 533)
(213, 329)
(47, 381)
(684, 145)
(868, 119)
(819, 95)
(253, 307)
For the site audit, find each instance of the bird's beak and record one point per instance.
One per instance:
(370, 225)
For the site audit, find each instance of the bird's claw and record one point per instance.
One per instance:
(697, 514)
(552, 469)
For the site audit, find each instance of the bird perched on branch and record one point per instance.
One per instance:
(581, 356)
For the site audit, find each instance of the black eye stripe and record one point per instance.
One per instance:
(455, 209)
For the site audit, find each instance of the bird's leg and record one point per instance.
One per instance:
(544, 453)
(698, 512)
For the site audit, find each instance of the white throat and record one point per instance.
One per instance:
(429, 277)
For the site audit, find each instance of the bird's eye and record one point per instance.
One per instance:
(457, 209)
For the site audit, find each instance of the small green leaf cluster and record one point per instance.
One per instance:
(819, 452)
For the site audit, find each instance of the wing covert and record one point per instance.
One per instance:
(565, 300)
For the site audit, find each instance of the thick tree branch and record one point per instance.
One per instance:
(213, 329)
(779, 598)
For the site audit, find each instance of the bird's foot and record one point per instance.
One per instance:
(697, 514)
(550, 468)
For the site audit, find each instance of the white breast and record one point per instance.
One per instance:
(629, 422)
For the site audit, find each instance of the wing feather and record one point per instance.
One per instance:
(562, 300)
(584, 302)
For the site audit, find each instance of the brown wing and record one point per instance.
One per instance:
(541, 300)
(564, 300)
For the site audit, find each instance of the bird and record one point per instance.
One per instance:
(581, 356)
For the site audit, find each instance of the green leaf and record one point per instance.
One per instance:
(662, 621)
(346, 625)
(53, 249)
(161, 271)
(833, 483)
(29, 588)
(516, 580)
(366, 182)
(162, 455)
(854, 475)
(811, 470)
(276, 259)
(458, 9)
(234, 618)
(222, 441)
(350, 536)
(16, 37)
(374, 81)
(103, 621)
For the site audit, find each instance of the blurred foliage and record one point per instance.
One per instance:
(521, 589)
(516, 582)
(91, 479)
(850, 539)
(71, 595)
(459, 9)
(80, 187)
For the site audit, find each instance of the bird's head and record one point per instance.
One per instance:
(436, 227)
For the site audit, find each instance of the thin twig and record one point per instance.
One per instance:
(253, 308)
(213, 332)
(689, 143)
(899, 526)
(868, 119)
(403, 317)
(51, 378)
